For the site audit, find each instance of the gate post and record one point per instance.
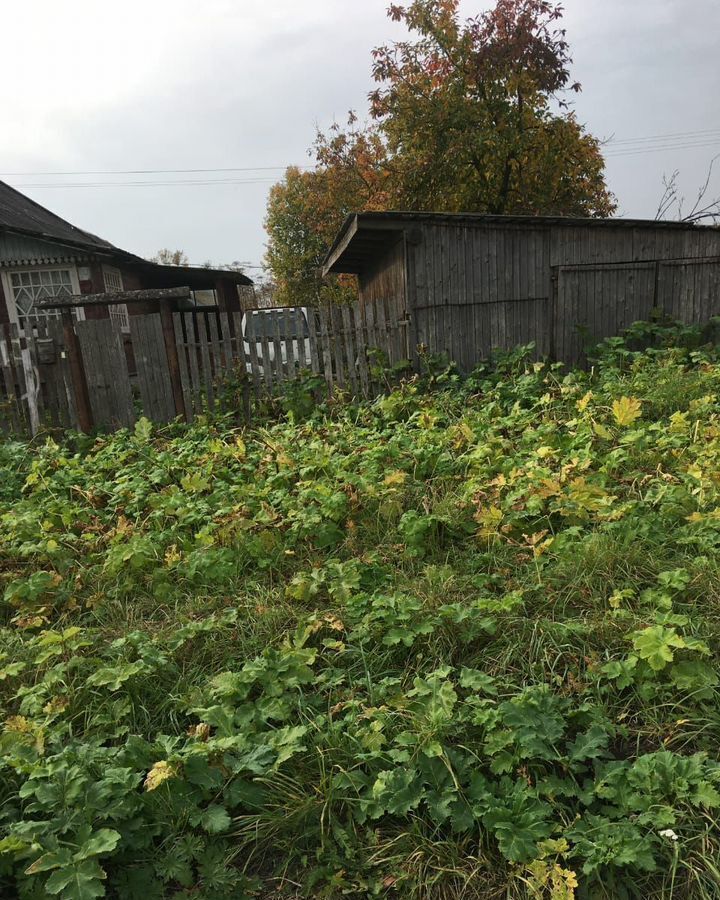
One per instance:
(77, 373)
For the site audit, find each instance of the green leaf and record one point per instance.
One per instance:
(655, 645)
(621, 671)
(215, 819)
(103, 841)
(54, 859)
(590, 745)
(475, 680)
(81, 881)
(707, 795)
(397, 791)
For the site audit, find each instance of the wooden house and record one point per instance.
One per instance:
(467, 284)
(43, 256)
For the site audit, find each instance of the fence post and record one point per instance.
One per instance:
(168, 330)
(77, 373)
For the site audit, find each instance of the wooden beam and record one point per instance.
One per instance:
(341, 246)
(109, 299)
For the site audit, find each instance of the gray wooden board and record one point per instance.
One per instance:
(106, 374)
(181, 345)
(349, 346)
(336, 345)
(206, 363)
(324, 316)
(10, 418)
(193, 349)
(314, 331)
(277, 370)
(300, 329)
(249, 347)
(361, 344)
(265, 361)
(151, 362)
(289, 329)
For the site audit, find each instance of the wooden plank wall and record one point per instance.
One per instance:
(474, 288)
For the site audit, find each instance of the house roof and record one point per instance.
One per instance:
(21, 215)
(362, 234)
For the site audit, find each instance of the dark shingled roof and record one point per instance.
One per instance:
(22, 215)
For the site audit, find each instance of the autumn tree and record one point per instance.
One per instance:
(306, 209)
(467, 116)
(475, 114)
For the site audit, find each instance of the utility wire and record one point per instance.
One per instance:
(679, 140)
(620, 143)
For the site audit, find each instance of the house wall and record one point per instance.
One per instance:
(475, 288)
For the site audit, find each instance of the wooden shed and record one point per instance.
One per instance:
(466, 284)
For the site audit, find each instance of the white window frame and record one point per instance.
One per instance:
(9, 292)
(118, 311)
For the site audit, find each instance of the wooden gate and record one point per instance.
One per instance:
(596, 301)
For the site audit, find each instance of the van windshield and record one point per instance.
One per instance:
(262, 324)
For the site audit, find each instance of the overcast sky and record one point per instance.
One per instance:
(180, 84)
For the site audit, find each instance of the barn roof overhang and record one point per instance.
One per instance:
(364, 236)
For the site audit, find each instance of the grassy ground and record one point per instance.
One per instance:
(458, 642)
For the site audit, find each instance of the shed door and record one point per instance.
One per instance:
(595, 302)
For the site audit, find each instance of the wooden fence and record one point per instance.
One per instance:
(62, 373)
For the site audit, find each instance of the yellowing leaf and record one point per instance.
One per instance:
(489, 520)
(158, 775)
(626, 410)
(582, 403)
(394, 478)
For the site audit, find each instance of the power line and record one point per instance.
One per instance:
(664, 148)
(154, 171)
(662, 137)
(172, 183)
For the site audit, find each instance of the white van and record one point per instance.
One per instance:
(259, 324)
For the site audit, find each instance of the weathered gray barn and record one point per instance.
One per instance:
(467, 284)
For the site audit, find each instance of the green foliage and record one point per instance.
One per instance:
(459, 641)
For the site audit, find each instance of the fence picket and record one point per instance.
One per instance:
(288, 326)
(336, 345)
(313, 332)
(300, 329)
(193, 347)
(251, 352)
(349, 346)
(12, 419)
(325, 348)
(277, 350)
(181, 344)
(361, 341)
